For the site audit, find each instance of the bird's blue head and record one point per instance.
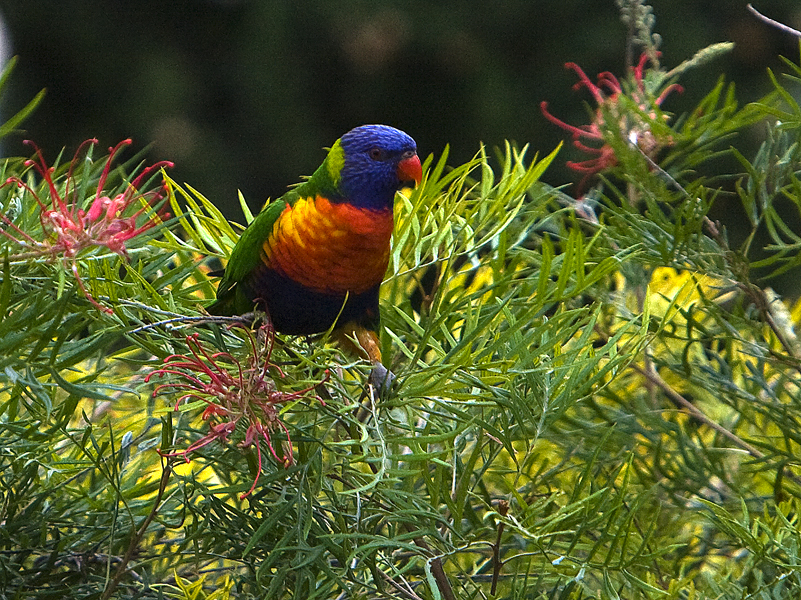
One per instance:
(370, 163)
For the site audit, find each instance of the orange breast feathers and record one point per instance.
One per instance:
(330, 248)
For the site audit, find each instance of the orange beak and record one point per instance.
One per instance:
(410, 169)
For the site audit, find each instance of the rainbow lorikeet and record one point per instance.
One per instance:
(318, 254)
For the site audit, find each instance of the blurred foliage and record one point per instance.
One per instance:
(243, 94)
(595, 397)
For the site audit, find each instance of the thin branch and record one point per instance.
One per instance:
(437, 571)
(497, 563)
(122, 568)
(405, 591)
(652, 376)
(187, 320)
(756, 294)
(772, 23)
(696, 412)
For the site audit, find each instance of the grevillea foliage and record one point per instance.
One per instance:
(595, 396)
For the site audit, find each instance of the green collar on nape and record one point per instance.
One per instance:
(335, 161)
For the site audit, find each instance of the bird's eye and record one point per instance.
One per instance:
(376, 154)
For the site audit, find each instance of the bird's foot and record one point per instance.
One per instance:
(254, 320)
(381, 379)
(379, 385)
(249, 318)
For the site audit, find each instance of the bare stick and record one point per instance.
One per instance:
(776, 24)
(696, 412)
(122, 568)
(654, 377)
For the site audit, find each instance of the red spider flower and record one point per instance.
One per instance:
(232, 392)
(69, 226)
(628, 125)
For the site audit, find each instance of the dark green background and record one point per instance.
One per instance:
(243, 94)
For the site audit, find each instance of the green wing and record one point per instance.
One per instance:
(246, 256)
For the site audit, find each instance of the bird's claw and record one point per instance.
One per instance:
(381, 379)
